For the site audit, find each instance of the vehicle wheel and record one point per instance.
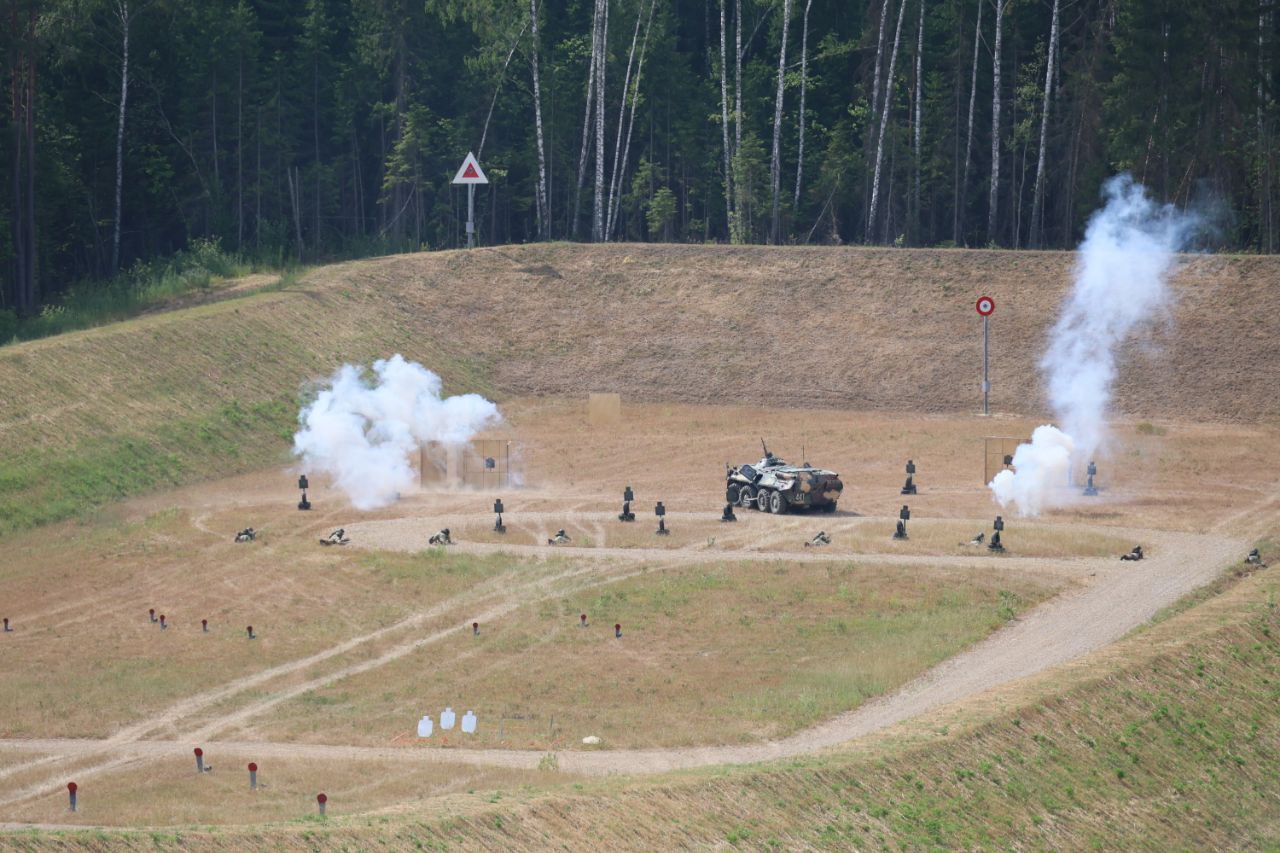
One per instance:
(829, 507)
(777, 503)
(746, 497)
(762, 500)
(731, 494)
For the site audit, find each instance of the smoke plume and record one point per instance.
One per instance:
(1121, 280)
(1040, 472)
(362, 431)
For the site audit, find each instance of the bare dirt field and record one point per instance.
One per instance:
(738, 644)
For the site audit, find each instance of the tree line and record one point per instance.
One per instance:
(300, 130)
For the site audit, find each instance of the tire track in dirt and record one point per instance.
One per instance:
(127, 738)
(1056, 632)
(1122, 597)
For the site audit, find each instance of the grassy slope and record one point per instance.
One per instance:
(1168, 740)
(93, 416)
(784, 645)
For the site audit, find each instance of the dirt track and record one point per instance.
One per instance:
(1118, 598)
(574, 471)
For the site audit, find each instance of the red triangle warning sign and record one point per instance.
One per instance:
(470, 172)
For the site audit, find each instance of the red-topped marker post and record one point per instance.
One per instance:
(71, 794)
(253, 776)
(199, 760)
(986, 307)
(321, 799)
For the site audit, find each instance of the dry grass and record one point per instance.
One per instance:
(850, 537)
(84, 659)
(718, 653)
(1112, 751)
(83, 425)
(943, 538)
(701, 324)
(1178, 480)
(170, 792)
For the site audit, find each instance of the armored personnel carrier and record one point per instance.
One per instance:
(771, 485)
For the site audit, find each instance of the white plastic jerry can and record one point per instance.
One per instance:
(425, 726)
(469, 723)
(446, 718)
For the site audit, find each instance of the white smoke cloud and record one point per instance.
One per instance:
(363, 434)
(1121, 279)
(1039, 478)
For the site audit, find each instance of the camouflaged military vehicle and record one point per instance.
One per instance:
(771, 485)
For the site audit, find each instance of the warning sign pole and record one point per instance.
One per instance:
(471, 215)
(470, 173)
(986, 360)
(986, 305)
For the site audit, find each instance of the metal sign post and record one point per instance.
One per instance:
(986, 305)
(470, 173)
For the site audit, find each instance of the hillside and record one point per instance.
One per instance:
(1111, 751)
(92, 416)
(848, 327)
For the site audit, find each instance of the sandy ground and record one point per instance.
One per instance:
(1120, 597)
(571, 473)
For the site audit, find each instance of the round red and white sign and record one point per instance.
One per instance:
(986, 305)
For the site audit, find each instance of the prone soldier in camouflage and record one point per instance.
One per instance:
(819, 541)
(337, 537)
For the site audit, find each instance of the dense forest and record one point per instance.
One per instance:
(299, 130)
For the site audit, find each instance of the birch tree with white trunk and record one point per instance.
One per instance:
(775, 160)
(724, 125)
(615, 200)
(875, 90)
(125, 16)
(542, 202)
(622, 119)
(915, 141)
(586, 116)
(1037, 203)
(884, 122)
(804, 85)
(993, 199)
(597, 213)
(968, 145)
(737, 78)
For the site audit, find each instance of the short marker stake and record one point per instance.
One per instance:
(249, 630)
(475, 629)
(321, 799)
(253, 776)
(7, 629)
(162, 624)
(71, 794)
(199, 760)
(204, 625)
(151, 614)
(617, 630)
(582, 623)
